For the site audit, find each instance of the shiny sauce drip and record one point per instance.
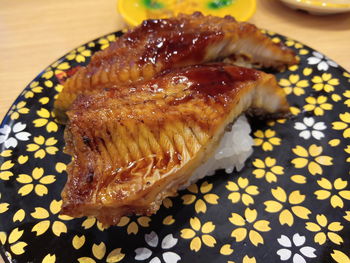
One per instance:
(214, 80)
(170, 41)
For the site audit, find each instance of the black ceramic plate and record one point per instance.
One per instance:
(291, 202)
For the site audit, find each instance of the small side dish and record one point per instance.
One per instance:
(320, 7)
(135, 11)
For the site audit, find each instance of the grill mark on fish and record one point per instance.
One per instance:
(107, 138)
(179, 132)
(191, 141)
(133, 136)
(104, 153)
(124, 139)
(167, 146)
(122, 148)
(118, 156)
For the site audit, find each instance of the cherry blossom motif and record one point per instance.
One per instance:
(18, 135)
(321, 61)
(295, 244)
(309, 128)
(152, 240)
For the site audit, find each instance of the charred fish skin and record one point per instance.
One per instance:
(160, 44)
(136, 145)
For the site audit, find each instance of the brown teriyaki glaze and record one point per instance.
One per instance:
(172, 41)
(216, 79)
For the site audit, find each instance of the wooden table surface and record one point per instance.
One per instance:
(33, 33)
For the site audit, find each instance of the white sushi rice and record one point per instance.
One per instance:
(234, 149)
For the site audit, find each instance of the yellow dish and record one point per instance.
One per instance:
(135, 11)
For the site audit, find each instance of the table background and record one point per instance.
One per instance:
(34, 33)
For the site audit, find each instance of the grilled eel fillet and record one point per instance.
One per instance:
(160, 44)
(136, 145)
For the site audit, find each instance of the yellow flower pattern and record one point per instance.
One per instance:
(167, 203)
(18, 109)
(55, 69)
(312, 158)
(324, 82)
(133, 226)
(34, 88)
(5, 172)
(347, 150)
(288, 184)
(58, 227)
(49, 258)
(3, 206)
(266, 139)
(105, 41)
(325, 229)
(79, 55)
(347, 75)
(282, 203)
(6, 153)
(17, 246)
(340, 257)
(168, 220)
(90, 222)
(60, 167)
(317, 105)
(200, 204)
(246, 259)
(294, 85)
(336, 97)
(344, 124)
(249, 227)
(276, 40)
(42, 146)
(44, 100)
(267, 169)
(78, 241)
(199, 233)
(297, 45)
(37, 182)
(226, 250)
(44, 114)
(335, 191)
(293, 68)
(99, 253)
(19, 216)
(294, 110)
(346, 94)
(242, 191)
(272, 123)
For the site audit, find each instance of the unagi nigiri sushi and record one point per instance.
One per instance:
(160, 44)
(137, 144)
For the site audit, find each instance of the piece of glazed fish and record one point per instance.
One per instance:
(160, 44)
(138, 144)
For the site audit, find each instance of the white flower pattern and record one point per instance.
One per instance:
(152, 240)
(310, 128)
(321, 61)
(18, 134)
(285, 253)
